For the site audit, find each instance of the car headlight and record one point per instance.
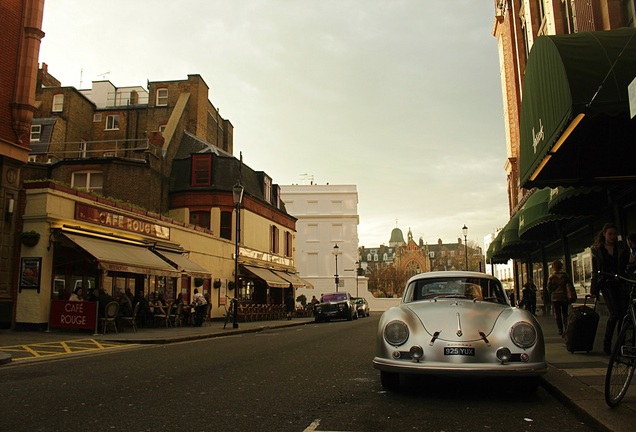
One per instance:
(523, 335)
(396, 333)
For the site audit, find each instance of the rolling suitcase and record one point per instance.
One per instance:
(581, 328)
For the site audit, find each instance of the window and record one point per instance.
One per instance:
(267, 189)
(225, 230)
(112, 122)
(201, 170)
(82, 146)
(274, 245)
(90, 181)
(36, 132)
(288, 244)
(162, 128)
(58, 103)
(200, 219)
(162, 97)
(97, 117)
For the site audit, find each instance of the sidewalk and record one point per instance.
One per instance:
(576, 379)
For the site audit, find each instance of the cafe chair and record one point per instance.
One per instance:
(110, 316)
(131, 320)
(175, 318)
(163, 314)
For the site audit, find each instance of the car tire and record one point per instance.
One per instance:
(390, 380)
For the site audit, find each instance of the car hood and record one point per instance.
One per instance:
(457, 319)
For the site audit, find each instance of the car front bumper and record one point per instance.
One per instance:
(466, 369)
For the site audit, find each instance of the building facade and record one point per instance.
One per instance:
(327, 217)
(21, 34)
(565, 69)
(132, 188)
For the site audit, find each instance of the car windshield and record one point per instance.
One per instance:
(333, 297)
(482, 289)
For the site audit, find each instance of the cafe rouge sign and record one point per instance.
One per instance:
(119, 221)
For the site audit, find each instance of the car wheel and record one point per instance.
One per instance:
(317, 319)
(390, 380)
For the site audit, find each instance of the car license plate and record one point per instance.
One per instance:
(460, 351)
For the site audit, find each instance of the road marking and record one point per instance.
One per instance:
(312, 427)
(52, 349)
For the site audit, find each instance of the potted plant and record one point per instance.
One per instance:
(302, 300)
(198, 282)
(230, 285)
(217, 284)
(30, 238)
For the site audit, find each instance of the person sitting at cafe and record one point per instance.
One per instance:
(125, 305)
(199, 303)
(78, 295)
(144, 315)
(103, 298)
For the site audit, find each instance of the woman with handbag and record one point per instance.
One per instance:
(606, 258)
(558, 284)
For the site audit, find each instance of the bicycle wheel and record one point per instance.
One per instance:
(620, 369)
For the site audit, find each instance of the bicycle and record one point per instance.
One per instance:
(622, 362)
(229, 310)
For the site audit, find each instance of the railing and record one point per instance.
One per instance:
(135, 149)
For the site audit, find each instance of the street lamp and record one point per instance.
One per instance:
(465, 232)
(237, 193)
(336, 253)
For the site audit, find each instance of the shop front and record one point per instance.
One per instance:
(94, 245)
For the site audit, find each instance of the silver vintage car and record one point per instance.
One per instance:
(458, 323)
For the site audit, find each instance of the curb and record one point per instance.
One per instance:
(5, 358)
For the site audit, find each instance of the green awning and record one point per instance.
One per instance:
(492, 254)
(536, 223)
(511, 245)
(578, 201)
(575, 125)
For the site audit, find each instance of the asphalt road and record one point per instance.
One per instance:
(313, 377)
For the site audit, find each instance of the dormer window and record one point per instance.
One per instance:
(162, 97)
(201, 170)
(36, 132)
(267, 189)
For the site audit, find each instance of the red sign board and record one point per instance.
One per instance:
(73, 314)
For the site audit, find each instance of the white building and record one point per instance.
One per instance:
(327, 216)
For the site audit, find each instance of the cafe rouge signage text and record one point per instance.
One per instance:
(109, 219)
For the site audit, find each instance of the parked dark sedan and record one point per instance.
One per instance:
(362, 307)
(335, 306)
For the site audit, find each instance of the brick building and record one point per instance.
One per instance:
(20, 34)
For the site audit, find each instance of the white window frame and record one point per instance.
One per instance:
(36, 133)
(267, 189)
(58, 103)
(97, 117)
(88, 175)
(162, 97)
(112, 121)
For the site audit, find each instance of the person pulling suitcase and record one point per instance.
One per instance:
(558, 284)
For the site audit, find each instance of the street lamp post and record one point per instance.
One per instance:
(237, 193)
(336, 253)
(465, 232)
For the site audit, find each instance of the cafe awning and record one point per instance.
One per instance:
(184, 264)
(123, 257)
(273, 280)
(575, 125)
(536, 223)
(298, 282)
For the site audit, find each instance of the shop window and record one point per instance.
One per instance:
(90, 181)
(200, 219)
(201, 170)
(58, 103)
(36, 132)
(225, 230)
(112, 122)
(162, 97)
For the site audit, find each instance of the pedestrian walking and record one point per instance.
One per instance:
(558, 288)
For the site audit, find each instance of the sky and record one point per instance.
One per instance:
(401, 98)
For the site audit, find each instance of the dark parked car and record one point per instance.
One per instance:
(335, 306)
(362, 307)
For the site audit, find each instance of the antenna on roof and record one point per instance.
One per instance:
(103, 75)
